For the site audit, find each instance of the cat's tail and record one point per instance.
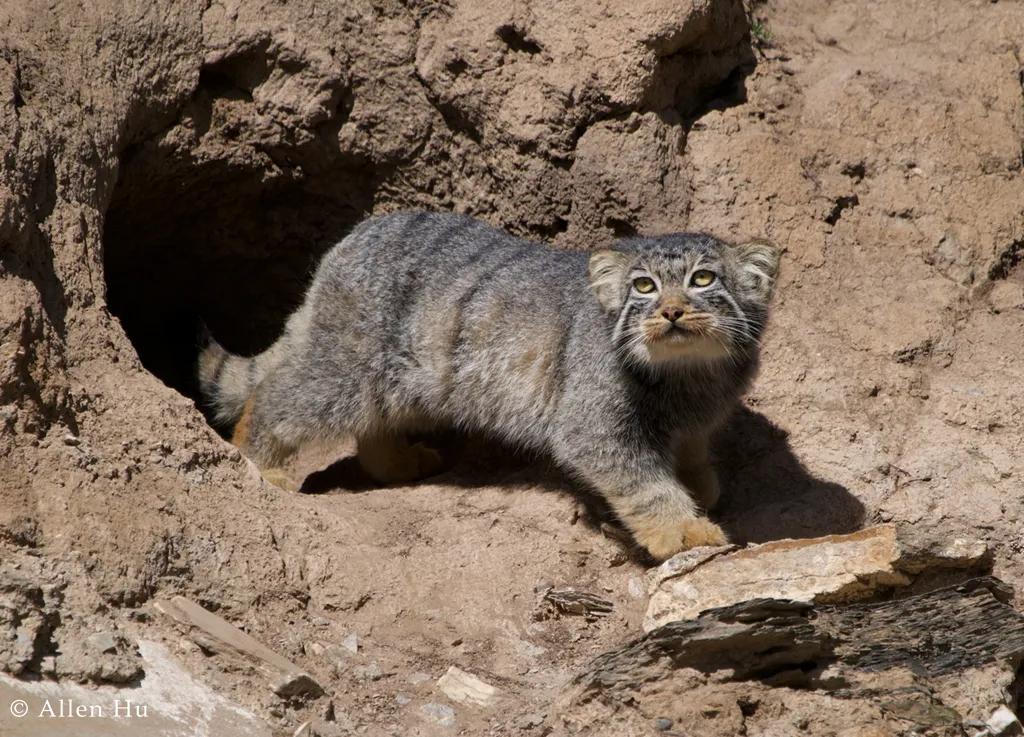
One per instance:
(225, 380)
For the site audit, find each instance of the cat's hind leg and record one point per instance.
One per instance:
(255, 437)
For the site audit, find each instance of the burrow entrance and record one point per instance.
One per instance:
(229, 240)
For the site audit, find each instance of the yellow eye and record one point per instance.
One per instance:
(643, 285)
(703, 278)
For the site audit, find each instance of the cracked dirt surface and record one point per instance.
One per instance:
(168, 161)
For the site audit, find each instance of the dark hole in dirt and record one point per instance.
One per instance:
(620, 228)
(841, 204)
(457, 66)
(748, 707)
(693, 104)
(517, 40)
(550, 230)
(856, 172)
(1008, 260)
(215, 242)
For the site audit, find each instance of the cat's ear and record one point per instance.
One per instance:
(758, 262)
(607, 272)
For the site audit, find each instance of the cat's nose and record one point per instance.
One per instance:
(672, 312)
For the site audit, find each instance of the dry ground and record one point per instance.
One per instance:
(880, 143)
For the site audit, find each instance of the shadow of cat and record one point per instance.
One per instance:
(767, 494)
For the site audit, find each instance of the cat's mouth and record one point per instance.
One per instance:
(677, 334)
(678, 331)
(681, 344)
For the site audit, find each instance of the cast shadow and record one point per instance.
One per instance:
(767, 494)
(476, 461)
(470, 461)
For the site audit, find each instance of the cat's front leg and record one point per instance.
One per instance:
(694, 470)
(663, 518)
(641, 485)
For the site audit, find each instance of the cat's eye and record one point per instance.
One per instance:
(703, 278)
(644, 285)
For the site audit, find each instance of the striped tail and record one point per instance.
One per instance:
(225, 380)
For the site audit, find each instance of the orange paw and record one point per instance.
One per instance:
(670, 537)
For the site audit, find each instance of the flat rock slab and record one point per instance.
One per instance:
(465, 688)
(822, 570)
(168, 702)
(917, 656)
(216, 633)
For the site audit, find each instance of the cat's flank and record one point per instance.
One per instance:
(619, 364)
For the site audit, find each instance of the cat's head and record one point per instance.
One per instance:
(685, 296)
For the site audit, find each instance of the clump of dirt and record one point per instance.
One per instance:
(190, 161)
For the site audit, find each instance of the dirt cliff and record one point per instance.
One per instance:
(170, 161)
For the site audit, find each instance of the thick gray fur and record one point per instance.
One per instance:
(420, 320)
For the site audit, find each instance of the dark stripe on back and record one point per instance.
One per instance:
(467, 298)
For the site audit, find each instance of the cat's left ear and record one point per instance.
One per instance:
(607, 271)
(758, 262)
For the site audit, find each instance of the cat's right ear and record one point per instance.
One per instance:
(759, 267)
(607, 274)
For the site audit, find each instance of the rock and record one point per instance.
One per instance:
(908, 656)
(351, 643)
(919, 553)
(101, 657)
(530, 721)
(440, 713)
(371, 672)
(831, 569)
(1003, 722)
(168, 700)
(219, 635)
(104, 642)
(570, 601)
(465, 688)
(290, 685)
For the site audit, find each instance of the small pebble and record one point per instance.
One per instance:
(351, 643)
(662, 724)
(443, 715)
(531, 721)
(371, 672)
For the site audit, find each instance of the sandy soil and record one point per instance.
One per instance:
(177, 160)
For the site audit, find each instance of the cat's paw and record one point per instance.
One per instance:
(664, 540)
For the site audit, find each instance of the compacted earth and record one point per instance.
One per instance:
(174, 162)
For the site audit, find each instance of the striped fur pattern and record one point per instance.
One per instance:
(617, 364)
